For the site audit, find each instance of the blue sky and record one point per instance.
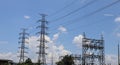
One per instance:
(17, 14)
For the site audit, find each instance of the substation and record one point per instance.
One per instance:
(87, 12)
(92, 49)
(92, 52)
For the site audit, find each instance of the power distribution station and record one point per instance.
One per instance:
(92, 49)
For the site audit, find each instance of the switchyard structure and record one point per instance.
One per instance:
(42, 32)
(93, 51)
(77, 59)
(22, 41)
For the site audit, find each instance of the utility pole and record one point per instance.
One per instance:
(42, 32)
(52, 61)
(22, 38)
(118, 54)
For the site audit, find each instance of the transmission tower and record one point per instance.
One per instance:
(41, 53)
(93, 51)
(22, 38)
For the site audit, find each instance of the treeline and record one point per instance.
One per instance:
(66, 60)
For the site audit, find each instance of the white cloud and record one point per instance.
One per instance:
(3, 42)
(62, 29)
(117, 19)
(116, 31)
(9, 56)
(58, 51)
(111, 59)
(118, 34)
(32, 43)
(26, 17)
(108, 15)
(54, 50)
(83, 1)
(55, 36)
(78, 40)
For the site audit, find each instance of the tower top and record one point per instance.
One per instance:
(43, 15)
(102, 37)
(84, 35)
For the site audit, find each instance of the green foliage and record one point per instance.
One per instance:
(20, 64)
(67, 60)
(28, 62)
(38, 63)
(6, 64)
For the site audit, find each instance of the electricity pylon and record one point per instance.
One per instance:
(42, 32)
(22, 38)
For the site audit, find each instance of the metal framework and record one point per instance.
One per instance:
(41, 53)
(77, 59)
(23, 37)
(118, 55)
(93, 51)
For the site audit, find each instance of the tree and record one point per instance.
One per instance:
(28, 62)
(20, 64)
(38, 63)
(67, 60)
(60, 63)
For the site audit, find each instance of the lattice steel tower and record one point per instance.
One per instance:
(93, 51)
(41, 53)
(77, 59)
(22, 38)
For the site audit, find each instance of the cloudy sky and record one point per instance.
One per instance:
(68, 19)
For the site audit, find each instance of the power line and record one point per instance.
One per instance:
(89, 3)
(101, 9)
(88, 25)
(98, 10)
(92, 13)
(84, 25)
(78, 8)
(62, 9)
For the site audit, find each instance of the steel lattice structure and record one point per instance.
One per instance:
(23, 37)
(77, 59)
(41, 53)
(93, 51)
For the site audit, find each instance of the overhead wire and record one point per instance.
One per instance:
(105, 7)
(85, 25)
(89, 24)
(92, 13)
(78, 9)
(82, 25)
(96, 11)
(62, 9)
